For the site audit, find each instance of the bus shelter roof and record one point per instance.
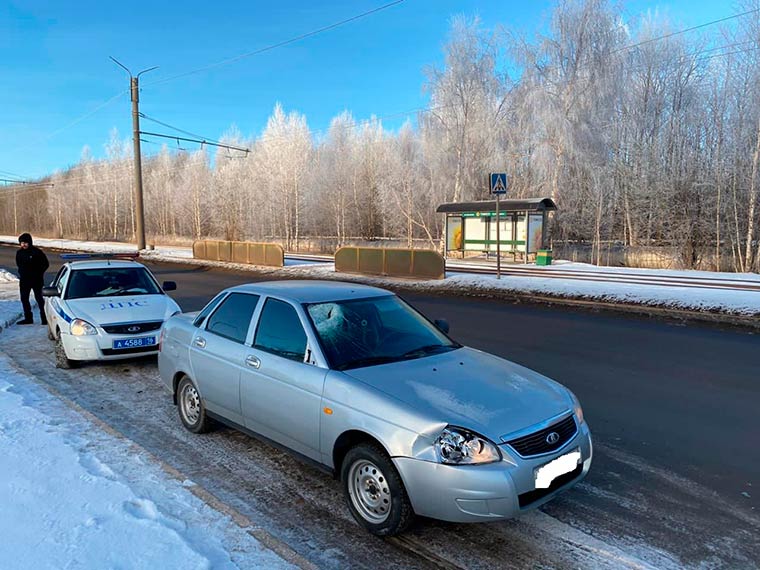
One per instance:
(508, 205)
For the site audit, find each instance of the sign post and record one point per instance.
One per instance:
(498, 187)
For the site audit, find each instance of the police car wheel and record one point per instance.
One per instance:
(192, 412)
(61, 360)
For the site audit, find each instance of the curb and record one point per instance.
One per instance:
(751, 322)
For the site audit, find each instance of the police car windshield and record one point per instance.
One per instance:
(110, 282)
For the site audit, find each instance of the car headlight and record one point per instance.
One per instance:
(459, 446)
(82, 328)
(577, 408)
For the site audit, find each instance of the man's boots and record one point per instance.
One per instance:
(26, 321)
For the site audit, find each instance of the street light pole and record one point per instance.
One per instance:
(134, 84)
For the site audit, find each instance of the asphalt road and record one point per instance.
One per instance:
(673, 410)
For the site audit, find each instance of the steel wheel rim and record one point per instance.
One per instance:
(191, 404)
(369, 491)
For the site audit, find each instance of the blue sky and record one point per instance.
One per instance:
(55, 66)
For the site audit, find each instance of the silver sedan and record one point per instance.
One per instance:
(355, 379)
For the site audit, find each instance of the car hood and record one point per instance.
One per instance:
(122, 309)
(471, 389)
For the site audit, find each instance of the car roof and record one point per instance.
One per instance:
(103, 264)
(312, 290)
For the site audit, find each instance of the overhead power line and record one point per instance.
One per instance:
(201, 142)
(14, 174)
(670, 35)
(26, 182)
(76, 121)
(277, 45)
(188, 133)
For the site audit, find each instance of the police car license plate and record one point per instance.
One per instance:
(563, 464)
(134, 342)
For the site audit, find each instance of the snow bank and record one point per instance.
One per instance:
(10, 305)
(73, 496)
(101, 246)
(730, 301)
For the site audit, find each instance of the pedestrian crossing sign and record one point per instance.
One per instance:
(498, 183)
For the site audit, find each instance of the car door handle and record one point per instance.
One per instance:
(252, 361)
(200, 342)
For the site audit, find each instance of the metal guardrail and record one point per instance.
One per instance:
(252, 253)
(390, 262)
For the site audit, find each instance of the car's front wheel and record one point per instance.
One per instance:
(61, 360)
(374, 491)
(192, 412)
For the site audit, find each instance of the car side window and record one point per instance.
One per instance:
(280, 331)
(206, 311)
(63, 281)
(59, 277)
(233, 317)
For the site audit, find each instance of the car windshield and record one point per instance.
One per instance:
(377, 330)
(110, 282)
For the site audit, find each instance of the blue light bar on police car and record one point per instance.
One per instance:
(114, 255)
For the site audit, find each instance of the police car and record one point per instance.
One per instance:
(105, 307)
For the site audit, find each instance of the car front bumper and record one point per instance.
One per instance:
(100, 347)
(480, 493)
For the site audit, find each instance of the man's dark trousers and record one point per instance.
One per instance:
(24, 289)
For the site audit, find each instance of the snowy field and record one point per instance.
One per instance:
(694, 297)
(74, 496)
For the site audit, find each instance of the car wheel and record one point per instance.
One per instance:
(374, 491)
(192, 412)
(61, 360)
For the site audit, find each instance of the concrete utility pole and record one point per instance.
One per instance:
(134, 84)
(139, 212)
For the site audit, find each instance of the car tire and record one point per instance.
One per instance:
(374, 491)
(50, 334)
(192, 411)
(61, 360)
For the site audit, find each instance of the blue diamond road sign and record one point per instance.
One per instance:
(498, 183)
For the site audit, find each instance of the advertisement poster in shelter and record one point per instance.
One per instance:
(536, 233)
(454, 234)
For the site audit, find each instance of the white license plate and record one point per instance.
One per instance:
(134, 342)
(555, 468)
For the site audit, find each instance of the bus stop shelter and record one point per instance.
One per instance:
(471, 226)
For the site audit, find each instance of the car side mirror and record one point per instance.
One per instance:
(50, 292)
(443, 325)
(169, 286)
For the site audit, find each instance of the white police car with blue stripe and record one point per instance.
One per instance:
(105, 307)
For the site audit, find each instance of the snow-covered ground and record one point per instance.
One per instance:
(695, 296)
(74, 496)
(10, 306)
(99, 246)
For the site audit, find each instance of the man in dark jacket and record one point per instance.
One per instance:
(32, 264)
